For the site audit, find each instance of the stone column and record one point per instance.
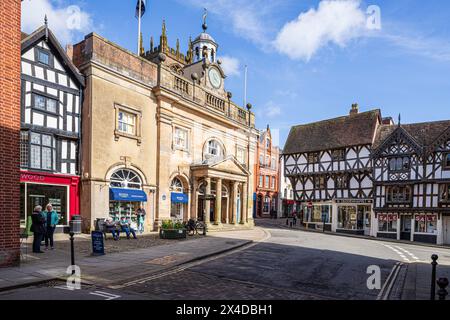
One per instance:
(218, 209)
(194, 199)
(244, 214)
(235, 188)
(207, 202)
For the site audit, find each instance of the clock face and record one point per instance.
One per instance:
(214, 78)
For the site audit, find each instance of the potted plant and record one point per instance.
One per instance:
(172, 230)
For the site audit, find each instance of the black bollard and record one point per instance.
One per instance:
(72, 252)
(287, 221)
(443, 284)
(434, 257)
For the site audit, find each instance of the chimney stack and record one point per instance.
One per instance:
(69, 51)
(355, 109)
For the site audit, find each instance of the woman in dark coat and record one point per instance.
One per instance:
(38, 228)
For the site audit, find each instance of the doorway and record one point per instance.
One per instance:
(446, 227)
(405, 227)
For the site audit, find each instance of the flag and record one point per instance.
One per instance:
(142, 2)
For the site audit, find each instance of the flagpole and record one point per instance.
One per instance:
(139, 28)
(245, 86)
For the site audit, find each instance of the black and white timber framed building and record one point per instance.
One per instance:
(363, 174)
(51, 97)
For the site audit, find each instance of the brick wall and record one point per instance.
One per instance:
(9, 131)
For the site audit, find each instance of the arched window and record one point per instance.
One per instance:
(126, 179)
(213, 149)
(177, 186)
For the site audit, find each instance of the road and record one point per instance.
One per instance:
(289, 265)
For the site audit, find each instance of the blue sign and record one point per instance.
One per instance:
(98, 246)
(179, 198)
(131, 195)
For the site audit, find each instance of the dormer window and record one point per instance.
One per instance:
(399, 164)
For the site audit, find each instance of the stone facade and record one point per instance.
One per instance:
(167, 122)
(9, 131)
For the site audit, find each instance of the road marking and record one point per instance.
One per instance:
(408, 253)
(387, 287)
(64, 288)
(401, 252)
(106, 295)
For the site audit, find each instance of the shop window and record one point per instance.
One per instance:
(426, 223)
(400, 164)
(24, 146)
(125, 179)
(341, 182)
(444, 193)
(313, 157)
(349, 219)
(365, 212)
(44, 103)
(180, 139)
(399, 194)
(321, 213)
(42, 152)
(338, 155)
(447, 161)
(387, 222)
(176, 209)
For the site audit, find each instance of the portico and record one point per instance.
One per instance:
(220, 193)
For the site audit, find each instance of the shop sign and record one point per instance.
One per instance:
(420, 218)
(392, 217)
(31, 177)
(355, 201)
(432, 218)
(98, 246)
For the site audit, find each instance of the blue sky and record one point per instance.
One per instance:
(308, 60)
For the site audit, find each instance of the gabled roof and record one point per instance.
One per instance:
(424, 134)
(351, 130)
(37, 36)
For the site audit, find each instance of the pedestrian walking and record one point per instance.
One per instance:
(294, 218)
(38, 228)
(51, 220)
(140, 212)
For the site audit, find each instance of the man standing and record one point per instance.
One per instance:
(140, 212)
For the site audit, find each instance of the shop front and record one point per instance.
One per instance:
(354, 217)
(315, 215)
(415, 227)
(40, 189)
(125, 203)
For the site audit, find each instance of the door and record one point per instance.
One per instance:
(405, 227)
(447, 230)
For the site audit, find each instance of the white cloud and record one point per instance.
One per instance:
(333, 22)
(250, 20)
(230, 65)
(65, 21)
(270, 110)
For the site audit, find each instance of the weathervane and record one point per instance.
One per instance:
(205, 15)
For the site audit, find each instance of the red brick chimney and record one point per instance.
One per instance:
(355, 109)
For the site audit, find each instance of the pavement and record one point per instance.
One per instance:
(125, 263)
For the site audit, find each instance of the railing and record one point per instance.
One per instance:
(215, 102)
(181, 85)
(201, 96)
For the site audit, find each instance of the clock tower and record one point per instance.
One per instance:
(204, 46)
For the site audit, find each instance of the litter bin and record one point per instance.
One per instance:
(99, 224)
(75, 224)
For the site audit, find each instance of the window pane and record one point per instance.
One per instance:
(47, 141)
(35, 153)
(24, 149)
(51, 105)
(35, 138)
(39, 102)
(47, 159)
(43, 57)
(447, 160)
